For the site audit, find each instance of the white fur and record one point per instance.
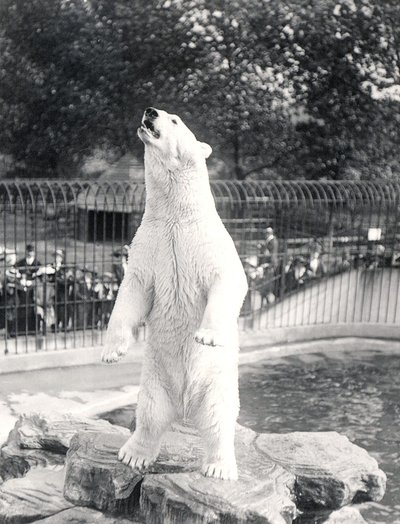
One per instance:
(186, 280)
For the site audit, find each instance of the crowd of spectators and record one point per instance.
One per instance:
(37, 298)
(274, 273)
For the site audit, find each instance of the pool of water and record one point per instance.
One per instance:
(356, 393)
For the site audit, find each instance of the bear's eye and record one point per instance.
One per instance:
(174, 121)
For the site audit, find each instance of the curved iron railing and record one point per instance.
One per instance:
(351, 225)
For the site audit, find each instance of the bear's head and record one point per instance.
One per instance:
(169, 140)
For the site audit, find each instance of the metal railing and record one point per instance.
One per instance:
(335, 257)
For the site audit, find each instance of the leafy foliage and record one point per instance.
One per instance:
(280, 89)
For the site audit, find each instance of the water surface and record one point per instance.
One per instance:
(356, 393)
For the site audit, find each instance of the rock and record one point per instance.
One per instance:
(125, 417)
(23, 459)
(173, 486)
(33, 497)
(96, 478)
(262, 493)
(330, 470)
(53, 431)
(42, 440)
(12, 467)
(317, 472)
(347, 515)
(84, 516)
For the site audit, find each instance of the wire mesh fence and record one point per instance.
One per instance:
(314, 252)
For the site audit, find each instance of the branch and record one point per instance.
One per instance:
(264, 166)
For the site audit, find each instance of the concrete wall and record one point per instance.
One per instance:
(362, 304)
(368, 296)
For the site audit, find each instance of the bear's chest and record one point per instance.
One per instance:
(180, 268)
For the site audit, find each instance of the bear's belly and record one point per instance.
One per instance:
(178, 303)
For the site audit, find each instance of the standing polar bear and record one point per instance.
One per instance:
(185, 279)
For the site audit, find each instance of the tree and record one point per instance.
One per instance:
(280, 89)
(342, 57)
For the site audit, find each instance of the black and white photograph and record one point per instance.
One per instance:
(199, 261)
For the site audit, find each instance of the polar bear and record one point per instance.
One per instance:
(185, 279)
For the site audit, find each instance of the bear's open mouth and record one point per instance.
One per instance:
(147, 125)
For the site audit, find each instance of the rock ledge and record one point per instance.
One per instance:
(280, 477)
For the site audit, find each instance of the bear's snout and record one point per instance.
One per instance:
(150, 112)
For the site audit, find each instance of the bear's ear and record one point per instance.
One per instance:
(206, 149)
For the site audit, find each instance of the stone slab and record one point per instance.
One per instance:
(346, 515)
(37, 495)
(84, 516)
(173, 486)
(53, 431)
(317, 472)
(96, 478)
(330, 470)
(12, 467)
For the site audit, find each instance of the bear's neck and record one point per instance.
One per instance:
(180, 195)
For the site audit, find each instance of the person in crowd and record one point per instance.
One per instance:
(8, 259)
(12, 318)
(63, 282)
(28, 267)
(269, 249)
(314, 246)
(283, 269)
(345, 263)
(105, 293)
(315, 266)
(29, 264)
(45, 299)
(297, 274)
(375, 257)
(120, 263)
(12, 300)
(84, 295)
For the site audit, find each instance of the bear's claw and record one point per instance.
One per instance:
(110, 355)
(208, 337)
(132, 459)
(221, 470)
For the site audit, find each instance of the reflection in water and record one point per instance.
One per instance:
(356, 394)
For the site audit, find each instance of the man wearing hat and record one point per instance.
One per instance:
(28, 267)
(29, 264)
(269, 249)
(120, 262)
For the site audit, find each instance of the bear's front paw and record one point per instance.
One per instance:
(134, 457)
(116, 346)
(221, 469)
(209, 337)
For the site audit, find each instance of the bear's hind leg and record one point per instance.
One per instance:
(216, 421)
(155, 413)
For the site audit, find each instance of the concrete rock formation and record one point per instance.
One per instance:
(280, 477)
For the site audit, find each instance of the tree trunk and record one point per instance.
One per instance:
(236, 158)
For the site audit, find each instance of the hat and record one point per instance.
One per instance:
(299, 260)
(87, 269)
(12, 272)
(29, 247)
(252, 261)
(5, 252)
(59, 252)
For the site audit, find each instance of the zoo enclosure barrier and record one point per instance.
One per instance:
(335, 254)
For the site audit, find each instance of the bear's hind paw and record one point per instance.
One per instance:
(221, 470)
(134, 460)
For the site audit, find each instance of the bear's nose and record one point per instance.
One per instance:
(150, 112)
